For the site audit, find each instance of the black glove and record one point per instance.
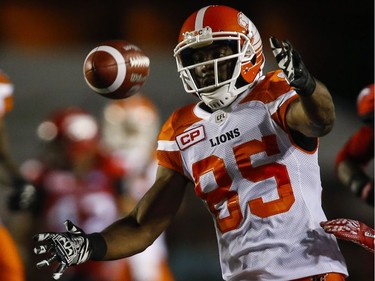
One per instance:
(23, 196)
(290, 62)
(69, 248)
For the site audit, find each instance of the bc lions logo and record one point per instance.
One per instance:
(243, 20)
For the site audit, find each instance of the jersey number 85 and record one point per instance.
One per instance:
(222, 193)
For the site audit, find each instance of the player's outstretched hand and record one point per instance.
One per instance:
(351, 230)
(68, 248)
(290, 62)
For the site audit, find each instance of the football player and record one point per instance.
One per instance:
(75, 176)
(250, 148)
(351, 162)
(358, 151)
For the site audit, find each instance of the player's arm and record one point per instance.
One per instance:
(151, 216)
(351, 162)
(313, 114)
(125, 237)
(355, 178)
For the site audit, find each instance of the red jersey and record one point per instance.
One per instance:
(89, 200)
(359, 148)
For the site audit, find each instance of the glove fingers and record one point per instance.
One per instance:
(334, 228)
(46, 262)
(60, 270)
(275, 44)
(277, 49)
(72, 228)
(296, 59)
(342, 222)
(287, 45)
(283, 53)
(42, 249)
(43, 236)
(341, 225)
(296, 55)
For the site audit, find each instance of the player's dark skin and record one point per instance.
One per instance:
(204, 74)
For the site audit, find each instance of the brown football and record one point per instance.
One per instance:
(116, 69)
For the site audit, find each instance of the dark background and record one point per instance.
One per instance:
(43, 45)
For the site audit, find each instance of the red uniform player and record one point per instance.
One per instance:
(358, 151)
(76, 177)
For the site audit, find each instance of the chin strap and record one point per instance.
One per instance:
(219, 98)
(224, 96)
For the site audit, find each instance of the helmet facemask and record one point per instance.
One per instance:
(223, 88)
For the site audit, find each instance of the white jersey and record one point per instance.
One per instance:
(263, 191)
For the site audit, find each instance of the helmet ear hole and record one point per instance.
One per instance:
(240, 82)
(254, 59)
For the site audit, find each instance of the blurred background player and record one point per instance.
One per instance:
(76, 177)
(358, 151)
(11, 264)
(130, 128)
(351, 169)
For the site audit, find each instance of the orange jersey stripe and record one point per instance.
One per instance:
(268, 90)
(178, 122)
(175, 125)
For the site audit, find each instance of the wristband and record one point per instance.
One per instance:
(99, 246)
(358, 182)
(307, 89)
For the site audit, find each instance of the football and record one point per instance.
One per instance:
(116, 69)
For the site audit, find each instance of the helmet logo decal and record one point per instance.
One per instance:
(243, 20)
(198, 35)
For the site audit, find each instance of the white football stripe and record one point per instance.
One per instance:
(199, 18)
(167, 145)
(121, 69)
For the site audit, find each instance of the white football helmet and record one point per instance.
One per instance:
(220, 24)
